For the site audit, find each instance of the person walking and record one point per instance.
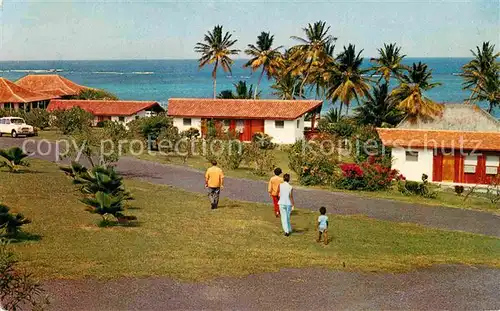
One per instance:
(272, 188)
(214, 182)
(286, 203)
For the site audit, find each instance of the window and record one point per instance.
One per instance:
(298, 123)
(492, 164)
(470, 163)
(121, 119)
(411, 156)
(186, 122)
(279, 124)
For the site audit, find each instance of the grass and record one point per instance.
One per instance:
(445, 197)
(180, 237)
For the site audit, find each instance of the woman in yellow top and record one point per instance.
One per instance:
(273, 187)
(214, 182)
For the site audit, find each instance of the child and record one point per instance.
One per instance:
(272, 188)
(322, 225)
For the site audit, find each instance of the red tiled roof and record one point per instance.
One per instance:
(50, 84)
(240, 108)
(104, 107)
(440, 139)
(12, 93)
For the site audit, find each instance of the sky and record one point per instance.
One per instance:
(87, 30)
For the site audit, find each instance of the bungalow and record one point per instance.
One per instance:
(14, 97)
(110, 110)
(281, 119)
(55, 85)
(460, 147)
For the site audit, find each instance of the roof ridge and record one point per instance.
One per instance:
(434, 130)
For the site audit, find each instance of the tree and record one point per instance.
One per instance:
(216, 50)
(288, 85)
(14, 159)
(347, 80)
(242, 91)
(389, 62)
(481, 75)
(95, 94)
(311, 51)
(410, 95)
(263, 55)
(72, 120)
(379, 108)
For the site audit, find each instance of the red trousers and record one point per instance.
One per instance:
(276, 206)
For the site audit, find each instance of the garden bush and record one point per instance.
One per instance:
(72, 120)
(422, 189)
(314, 161)
(10, 223)
(18, 288)
(374, 174)
(260, 156)
(14, 159)
(366, 142)
(39, 118)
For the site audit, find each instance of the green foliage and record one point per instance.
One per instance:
(260, 155)
(263, 141)
(152, 127)
(242, 91)
(14, 159)
(378, 108)
(105, 204)
(72, 120)
(343, 128)
(190, 133)
(366, 142)
(374, 174)
(95, 94)
(314, 161)
(36, 117)
(10, 223)
(422, 189)
(18, 289)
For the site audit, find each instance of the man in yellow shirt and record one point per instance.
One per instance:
(273, 189)
(214, 182)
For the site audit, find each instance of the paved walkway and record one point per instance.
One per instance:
(437, 288)
(336, 202)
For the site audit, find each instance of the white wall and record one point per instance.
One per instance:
(179, 123)
(413, 170)
(286, 135)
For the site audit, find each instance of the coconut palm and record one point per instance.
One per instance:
(389, 62)
(347, 79)
(379, 108)
(311, 50)
(216, 50)
(14, 159)
(481, 75)
(287, 85)
(242, 91)
(410, 95)
(265, 56)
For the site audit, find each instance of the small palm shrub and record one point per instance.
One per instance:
(107, 205)
(417, 188)
(14, 159)
(10, 223)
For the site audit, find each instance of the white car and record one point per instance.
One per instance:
(15, 127)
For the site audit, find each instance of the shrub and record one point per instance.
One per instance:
(263, 141)
(459, 190)
(343, 128)
(18, 289)
(39, 118)
(374, 174)
(408, 187)
(95, 94)
(11, 223)
(14, 159)
(314, 164)
(191, 133)
(352, 177)
(72, 120)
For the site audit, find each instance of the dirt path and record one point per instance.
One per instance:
(437, 288)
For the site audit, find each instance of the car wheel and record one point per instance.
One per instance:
(14, 134)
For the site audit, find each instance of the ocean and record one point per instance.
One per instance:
(160, 80)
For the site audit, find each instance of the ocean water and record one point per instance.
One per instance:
(160, 80)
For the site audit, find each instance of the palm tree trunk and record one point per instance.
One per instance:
(214, 76)
(340, 110)
(346, 109)
(258, 82)
(305, 79)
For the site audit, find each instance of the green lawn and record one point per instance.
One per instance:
(179, 236)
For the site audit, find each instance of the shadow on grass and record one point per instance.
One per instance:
(21, 237)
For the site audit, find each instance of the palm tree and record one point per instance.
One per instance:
(216, 50)
(311, 50)
(410, 95)
(14, 159)
(379, 108)
(242, 91)
(389, 62)
(347, 79)
(263, 55)
(481, 75)
(287, 85)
